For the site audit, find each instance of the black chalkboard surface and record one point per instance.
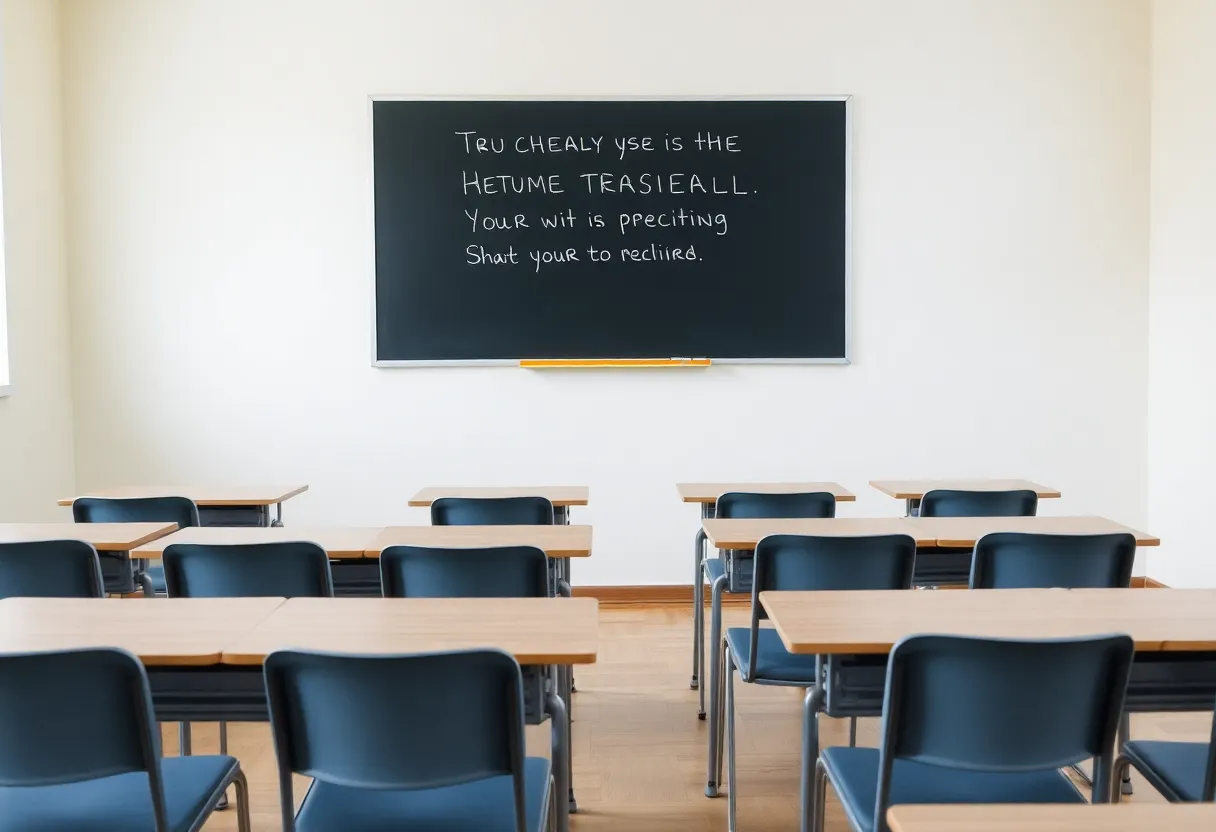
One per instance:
(522, 229)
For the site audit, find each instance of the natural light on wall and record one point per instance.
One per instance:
(4, 376)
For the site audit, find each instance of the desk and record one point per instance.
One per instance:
(104, 537)
(913, 490)
(562, 496)
(706, 494)
(963, 532)
(345, 545)
(745, 534)
(1174, 631)
(1138, 817)
(204, 655)
(225, 505)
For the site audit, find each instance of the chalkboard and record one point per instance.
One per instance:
(515, 229)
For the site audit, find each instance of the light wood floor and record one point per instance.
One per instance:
(639, 749)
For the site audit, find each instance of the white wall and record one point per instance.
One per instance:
(221, 256)
(1182, 400)
(36, 465)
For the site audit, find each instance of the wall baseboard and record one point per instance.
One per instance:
(670, 594)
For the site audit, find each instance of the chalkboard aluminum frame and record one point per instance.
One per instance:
(514, 362)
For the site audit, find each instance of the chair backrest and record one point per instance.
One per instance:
(949, 503)
(396, 722)
(808, 563)
(1016, 560)
(280, 569)
(493, 572)
(1000, 705)
(742, 505)
(1209, 778)
(73, 715)
(50, 569)
(492, 511)
(179, 510)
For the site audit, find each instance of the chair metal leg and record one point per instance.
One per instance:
(852, 732)
(698, 617)
(820, 788)
(223, 804)
(183, 739)
(561, 757)
(243, 820)
(1125, 734)
(811, 803)
(715, 686)
(731, 783)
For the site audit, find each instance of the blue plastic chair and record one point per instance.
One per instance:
(493, 572)
(118, 571)
(971, 720)
(431, 741)
(81, 751)
(798, 563)
(492, 511)
(1184, 772)
(740, 505)
(50, 569)
(950, 503)
(1017, 560)
(279, 569)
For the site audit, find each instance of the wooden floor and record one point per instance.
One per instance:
(639, 750)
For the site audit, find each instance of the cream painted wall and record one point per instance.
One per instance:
(1182, 387)
(221, 256)
(36, 458)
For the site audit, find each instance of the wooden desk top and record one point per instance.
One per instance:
(165, 631)
(873, 621)
(337, 541)
(557, 541)
(1128, 817)
(559, 495)
(745, 534)
(963, 532)
(534, 630)
(709, 492)
(203, 495)
(105, 537)
(915, 489)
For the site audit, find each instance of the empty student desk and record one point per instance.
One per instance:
(113, 541)
(1174, 631)
(560, 543)
(346, 546)
(1139, 817)
(911, 491)
(562, 496)
(219, 505)
(963, 532)
(539, 632)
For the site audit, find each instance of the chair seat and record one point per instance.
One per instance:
(1181, 766)
(714, 569)
(854, 775)
(121, 803)
(774, 664)
(482, 806)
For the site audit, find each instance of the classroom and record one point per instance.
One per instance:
(653, 415)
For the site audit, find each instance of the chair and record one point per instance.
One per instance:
(732, 573)
(118, 572)
(286, 569)
(81, 751)
(1184, 772)
(429, 741)
(949, 503)
(973, 720)
(1017, 560)
(494, 572)
(492, 511)
(799, 563)
(279, 569)
(50, 569)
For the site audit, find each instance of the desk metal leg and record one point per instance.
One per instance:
(715, 687)
(810, 755)
(183, 739)
(561, 757)
(278, 510)
(698, 617)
